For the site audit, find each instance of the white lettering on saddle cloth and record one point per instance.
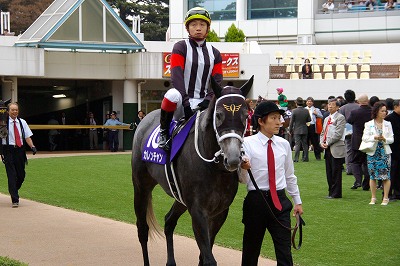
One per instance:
(151, 152)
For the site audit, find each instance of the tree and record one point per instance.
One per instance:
(234, 34)
(212, 37)
(23, 12)
(154, 16)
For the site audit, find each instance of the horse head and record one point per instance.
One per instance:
(3, 118)
(229, 121)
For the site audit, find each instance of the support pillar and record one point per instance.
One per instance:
(9, 89)
(130, 109)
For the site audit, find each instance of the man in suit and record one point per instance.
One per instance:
(394, 118)
(358, 159)
(313, 136)
(346, 110)
(332, 141)
(298, 128)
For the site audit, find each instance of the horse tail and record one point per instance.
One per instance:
(154, 228)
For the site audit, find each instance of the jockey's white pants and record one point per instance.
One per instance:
(175, 96)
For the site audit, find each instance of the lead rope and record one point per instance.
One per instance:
(196, 145)
(299, 221)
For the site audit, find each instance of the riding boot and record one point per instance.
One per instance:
(164, 141)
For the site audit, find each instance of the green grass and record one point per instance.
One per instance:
(6, 261)
(345, 231)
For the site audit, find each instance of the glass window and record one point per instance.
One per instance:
(257, 9)
(218, 9)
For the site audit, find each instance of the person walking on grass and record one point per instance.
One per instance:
(14, 155)
(270, 159)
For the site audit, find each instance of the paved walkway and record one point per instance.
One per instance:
(40, 234)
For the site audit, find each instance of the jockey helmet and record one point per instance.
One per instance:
(197, 13)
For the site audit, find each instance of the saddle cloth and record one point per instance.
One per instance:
(151, 152)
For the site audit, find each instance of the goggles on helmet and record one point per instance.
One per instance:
(197, 13)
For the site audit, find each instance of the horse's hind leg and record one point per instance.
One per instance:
(171, 220)
(142, 198)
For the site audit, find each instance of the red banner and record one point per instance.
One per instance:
(230, 65)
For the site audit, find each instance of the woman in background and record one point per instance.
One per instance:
(306, 71)
(380, 132)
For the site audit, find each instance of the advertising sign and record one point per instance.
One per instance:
(230, 65)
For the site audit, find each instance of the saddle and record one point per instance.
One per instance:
(179, 130)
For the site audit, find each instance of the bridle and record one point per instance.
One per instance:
(220, 137)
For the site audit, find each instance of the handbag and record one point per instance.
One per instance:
(318, 125)
(366, 146)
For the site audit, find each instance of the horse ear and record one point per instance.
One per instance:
(216, 88)
(247, 86)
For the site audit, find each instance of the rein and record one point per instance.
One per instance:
(299, 221)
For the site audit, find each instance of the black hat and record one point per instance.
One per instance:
(267, 107)
(299, 101)
(113, 113)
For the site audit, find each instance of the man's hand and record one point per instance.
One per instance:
(245, 163)
(188, 112)
(203, 105)
(298, 209)
(34, 150)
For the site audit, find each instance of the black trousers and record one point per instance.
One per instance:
(257, 217)
(359, 167)
(395, 178)
(313, 138)
(333, 174)
(113, 142)
(15, 159)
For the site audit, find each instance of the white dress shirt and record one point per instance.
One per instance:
(255, 148)
(11, 139)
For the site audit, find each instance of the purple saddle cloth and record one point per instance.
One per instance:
(151, 152)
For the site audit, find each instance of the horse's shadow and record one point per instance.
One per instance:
(207, 186)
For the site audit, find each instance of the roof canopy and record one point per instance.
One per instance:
(80, 24)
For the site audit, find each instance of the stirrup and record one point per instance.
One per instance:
(166, 146)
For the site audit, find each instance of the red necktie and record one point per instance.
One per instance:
(17, 136)
(271, 174)
(327, 127)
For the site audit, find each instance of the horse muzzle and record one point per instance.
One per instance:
(232, 164)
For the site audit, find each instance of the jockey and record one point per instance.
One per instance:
(282, 100)
(193, 62)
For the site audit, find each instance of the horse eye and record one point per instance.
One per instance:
(220, 116)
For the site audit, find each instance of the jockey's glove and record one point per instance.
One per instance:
(34, 150)
(204, 104)
(188, 112)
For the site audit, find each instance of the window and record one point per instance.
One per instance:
(257, 9)
(218, 9)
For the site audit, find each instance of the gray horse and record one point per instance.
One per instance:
(205, 170)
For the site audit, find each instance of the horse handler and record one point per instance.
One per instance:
(270, 160)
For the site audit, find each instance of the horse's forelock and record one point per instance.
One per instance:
(230, 90)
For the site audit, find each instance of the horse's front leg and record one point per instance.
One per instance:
(201, 232)
(171, 220)
(216, 224)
